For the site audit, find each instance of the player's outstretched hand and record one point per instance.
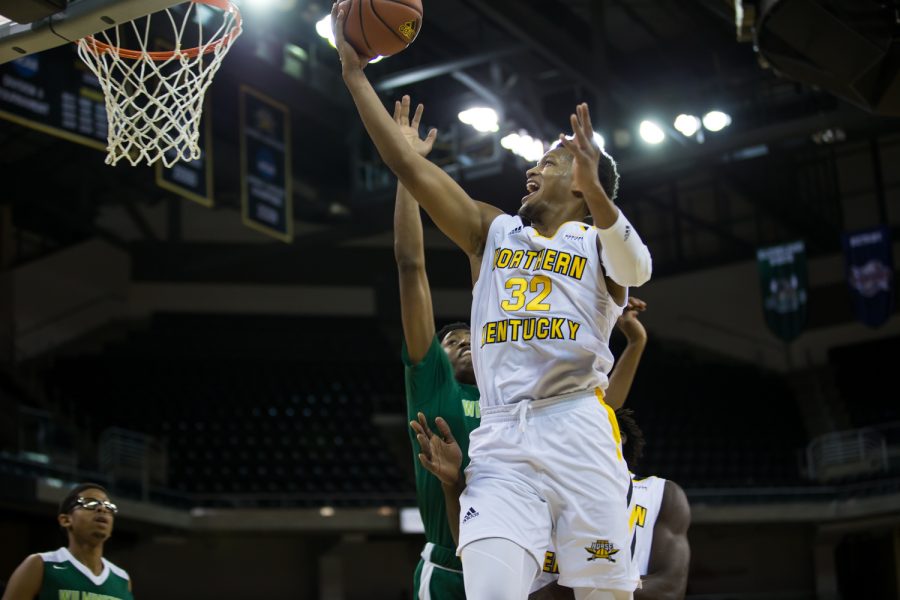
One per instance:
(629, 324)
(410, 129)
(350, 60)
(585, 152)
(440, 454)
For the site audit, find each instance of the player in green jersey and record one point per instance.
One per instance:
(439, 377)
(77, 571)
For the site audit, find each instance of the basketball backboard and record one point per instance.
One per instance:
(78, 19)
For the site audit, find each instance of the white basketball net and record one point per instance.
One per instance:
(154, 102)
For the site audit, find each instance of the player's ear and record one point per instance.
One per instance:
(64, 520)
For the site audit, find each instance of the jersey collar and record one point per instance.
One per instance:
(95, 579)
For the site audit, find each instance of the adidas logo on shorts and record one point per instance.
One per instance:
(470, 514)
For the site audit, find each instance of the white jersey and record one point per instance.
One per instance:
(541, 314)
(646, 500)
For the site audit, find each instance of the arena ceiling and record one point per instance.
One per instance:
(771, 176)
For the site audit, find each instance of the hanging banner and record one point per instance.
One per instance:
(265, 165)
(869, 268)
(783, 282)
(54, 92)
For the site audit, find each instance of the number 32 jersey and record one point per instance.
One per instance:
(541, 313)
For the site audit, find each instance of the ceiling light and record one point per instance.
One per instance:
(716, 120)
(323, 28)
(651, 132)
(687, 124)
(523, 145)
(481, 118)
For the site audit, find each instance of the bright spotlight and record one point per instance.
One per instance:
(523, 145)
(509, 141)
(651, 132)
(323, 28)
(716, 120)
(481, 118)
(687, 124)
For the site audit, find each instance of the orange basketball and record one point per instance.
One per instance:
(381, 27)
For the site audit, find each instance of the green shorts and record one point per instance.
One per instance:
(435, 582)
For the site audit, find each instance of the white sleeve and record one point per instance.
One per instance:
(625, 257)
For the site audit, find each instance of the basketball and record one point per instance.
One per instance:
(381, 27)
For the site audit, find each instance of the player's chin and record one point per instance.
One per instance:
(527, 210)
(465, 371)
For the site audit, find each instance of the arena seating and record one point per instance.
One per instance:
(278, 410)
(715, 424)
(859, 372)
(247, 408)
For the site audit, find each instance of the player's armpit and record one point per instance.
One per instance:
(488, 214)
(670, 552)
(25, 582)
(458, 216)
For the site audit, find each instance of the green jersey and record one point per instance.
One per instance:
(432, 388)
(67, 579)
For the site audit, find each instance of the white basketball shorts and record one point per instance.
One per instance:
(552, 470)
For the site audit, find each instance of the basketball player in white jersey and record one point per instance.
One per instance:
(660, 515)
(660, 519)
(547, 457)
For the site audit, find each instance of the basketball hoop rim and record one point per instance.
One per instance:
(97, 47)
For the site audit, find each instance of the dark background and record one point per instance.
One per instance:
(259, 382)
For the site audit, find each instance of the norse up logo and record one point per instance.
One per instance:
(627, 232)
(470, 514)
(602, 549)
(408, 30)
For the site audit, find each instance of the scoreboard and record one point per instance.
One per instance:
(54, 92)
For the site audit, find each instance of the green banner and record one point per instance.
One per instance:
(783, 283)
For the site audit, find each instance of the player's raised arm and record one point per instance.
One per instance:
(624, 255)
(670, 552)
(454, 212)
(626, 366)
(416, 309)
